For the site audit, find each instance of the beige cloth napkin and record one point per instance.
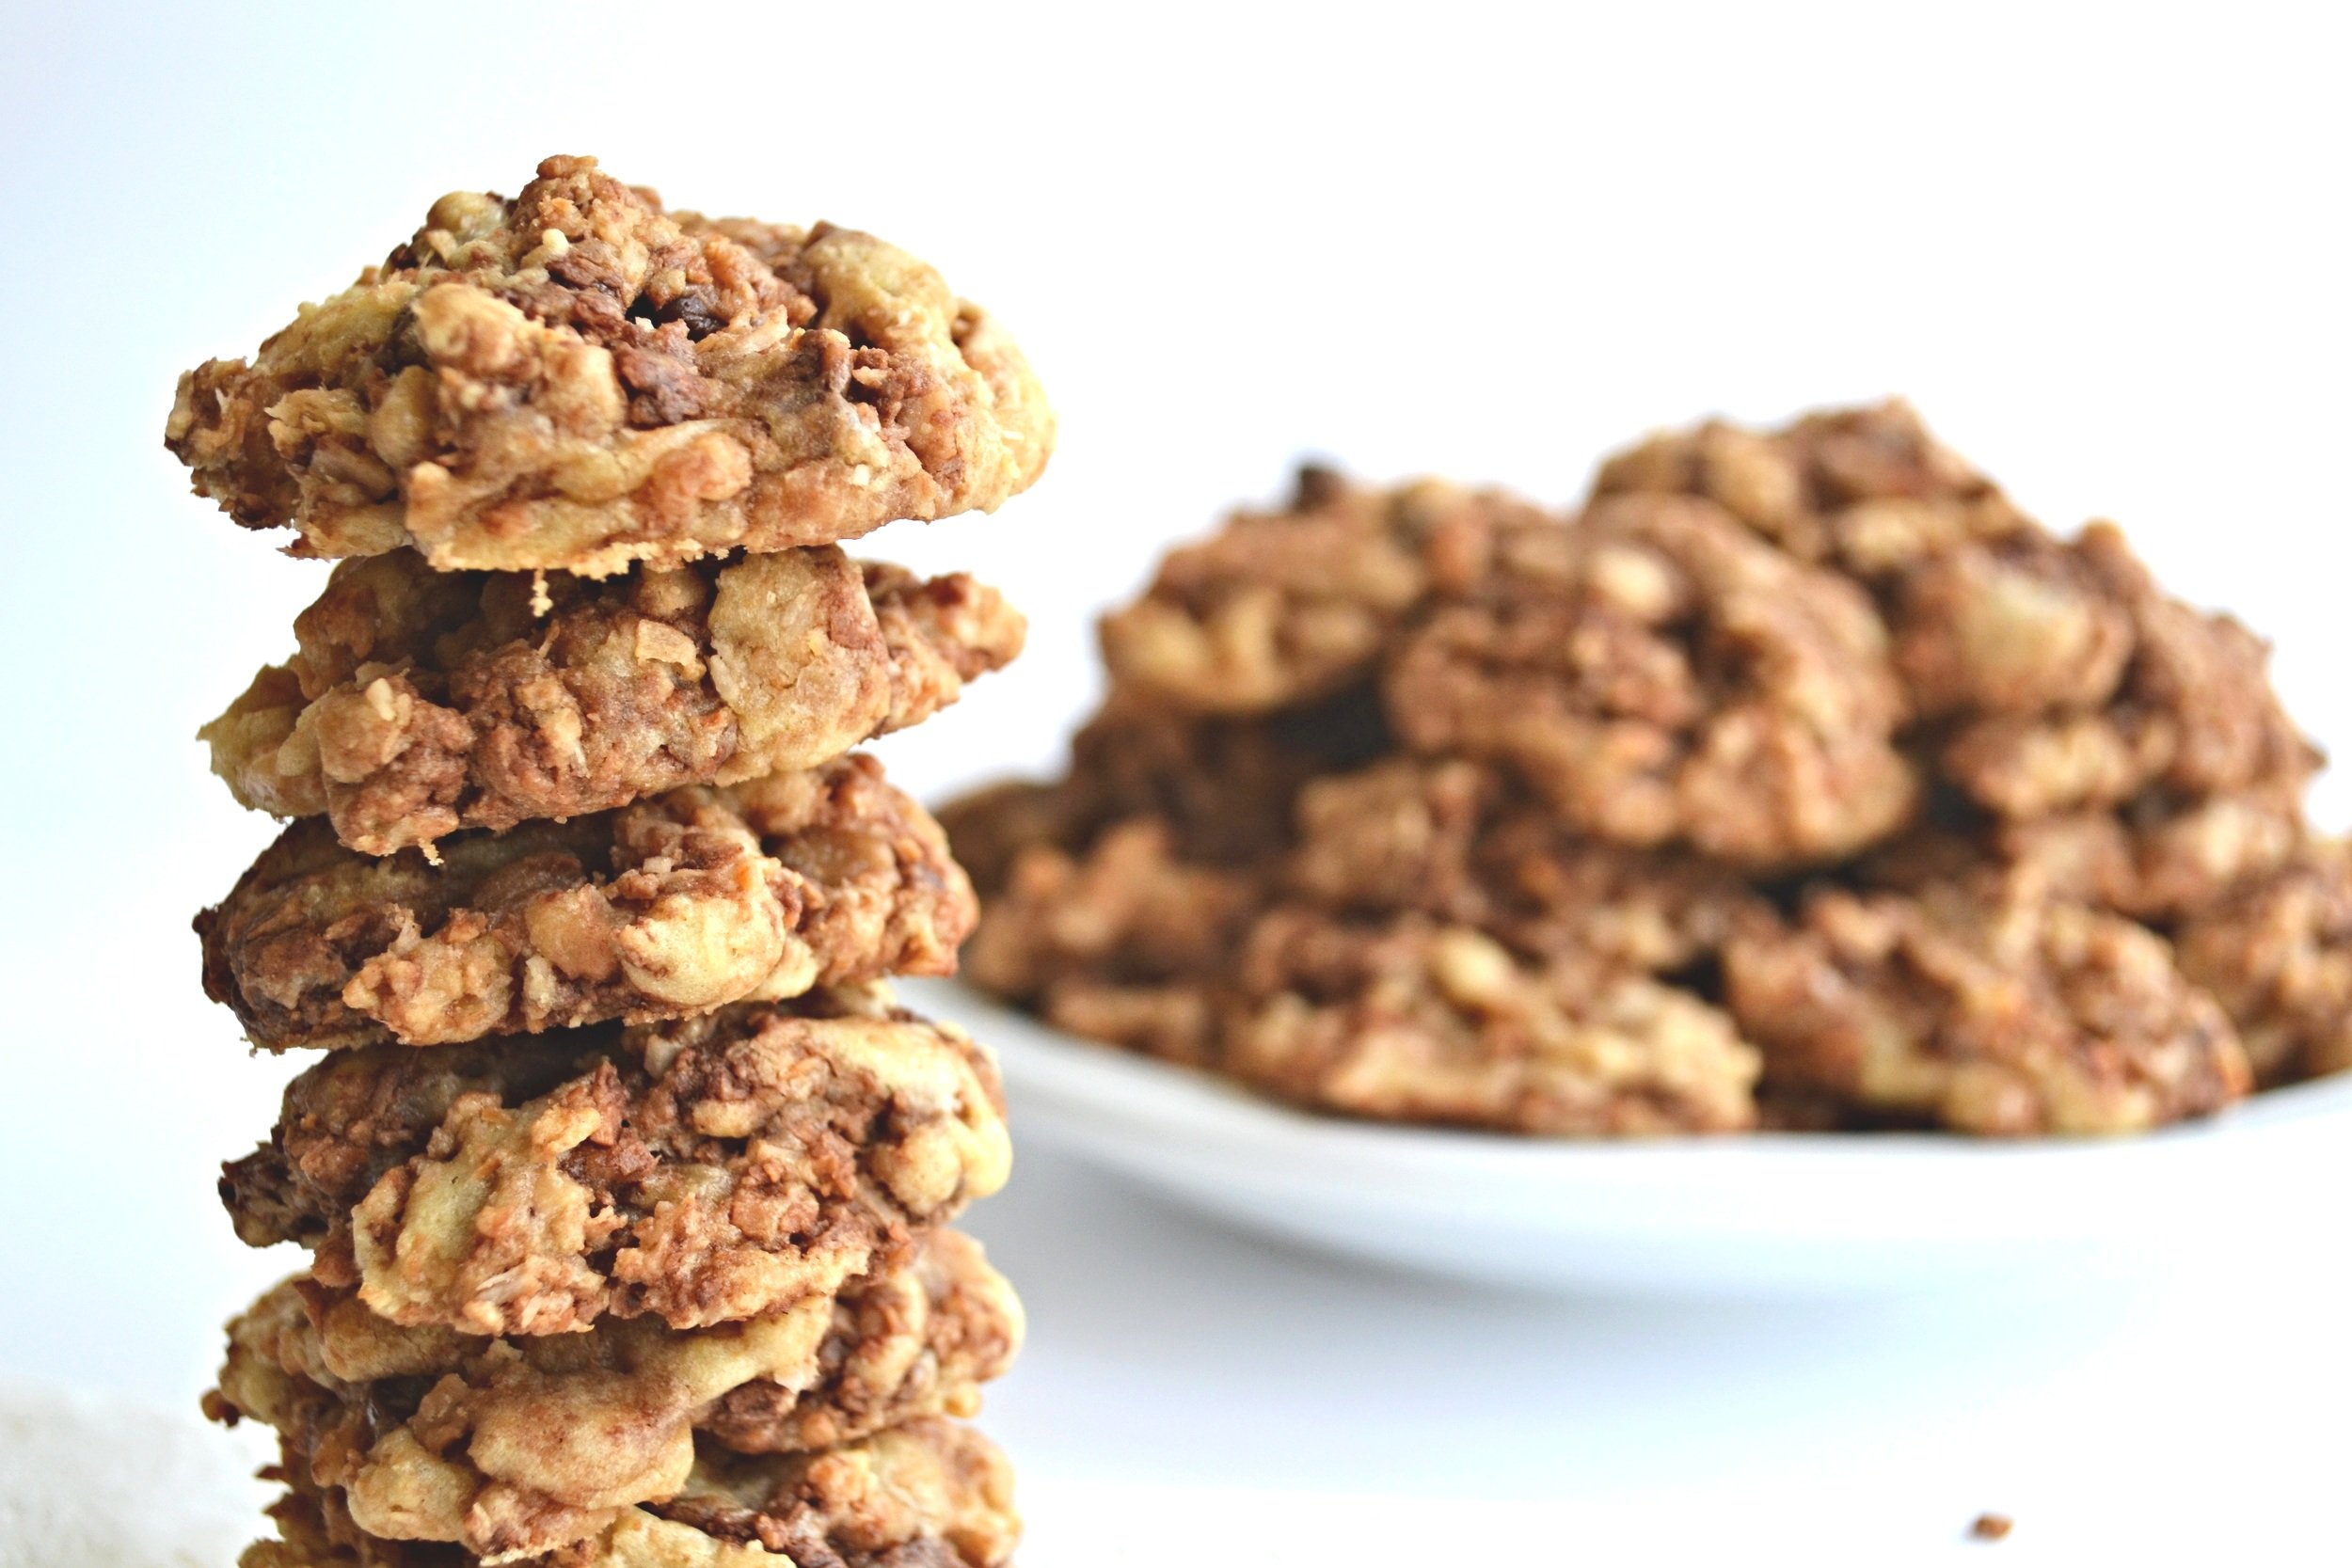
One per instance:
(87, 1482)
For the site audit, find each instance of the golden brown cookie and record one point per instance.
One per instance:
(1868, 489)
(2075, 682)
(1986, 1005)
(694, 1172)
(2278, 955)
(667, 907)
(928, 1494)
(524, 1445)
(1278, 609)
(2086, 714)
(422, 703)
(2155, 860)
(1120, 939)
(1412, 1019)
(1658, 675)
(1814, 724)
(1225, 788)
(575, 379)
(1463, 845)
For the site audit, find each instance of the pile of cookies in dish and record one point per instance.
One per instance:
(624, 1180)
(1796, 780)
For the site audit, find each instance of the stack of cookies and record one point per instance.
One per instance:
(1795, 779)
(626, 1182)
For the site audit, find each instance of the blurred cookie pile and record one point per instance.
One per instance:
(1796, 780)
(624, 1180)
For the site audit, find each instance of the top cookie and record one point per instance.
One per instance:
(574, 379)
(1868, 490)
(1289, 606)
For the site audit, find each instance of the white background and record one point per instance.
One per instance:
(2104, 250)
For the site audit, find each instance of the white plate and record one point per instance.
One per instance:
(1787, 1214)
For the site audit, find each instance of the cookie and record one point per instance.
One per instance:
(515, 1446)
(423, 702)
(664, 909)
(577, 379)
(694, 1172)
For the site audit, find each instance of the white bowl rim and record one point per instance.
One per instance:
(1182, 1098)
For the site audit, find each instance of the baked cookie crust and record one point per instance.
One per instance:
(1986, 1005)
(1434, 946)
(1660, 675)
(695, 1171)
(517, 1447)
(1411, 1020)
(928, 1494)
(2278, 955)
(1806, 742)
(422, 702)
(664, 909)
(577, 379)
(1278, 609)
(2081, 713)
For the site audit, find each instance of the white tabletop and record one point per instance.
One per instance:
(1328, 1405)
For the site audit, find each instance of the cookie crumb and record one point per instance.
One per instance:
(1992, 1527)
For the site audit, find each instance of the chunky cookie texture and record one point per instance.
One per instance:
(1796, 779)
(928, 1494)
(2157, 861)
(1459, 844)
(693, 1172)
(1867, 490)
(2278, 955)
(577, 379)
(1284, 606)
(1224, 787)
(1988, 1007)
(2077, 683)
(623, 1180)
(1123, 941)
(665, 908)
(1411, 1020)
(514, 1447)
(1434, 947)
(422, 702)
(1660, 674)
(2079, 712)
